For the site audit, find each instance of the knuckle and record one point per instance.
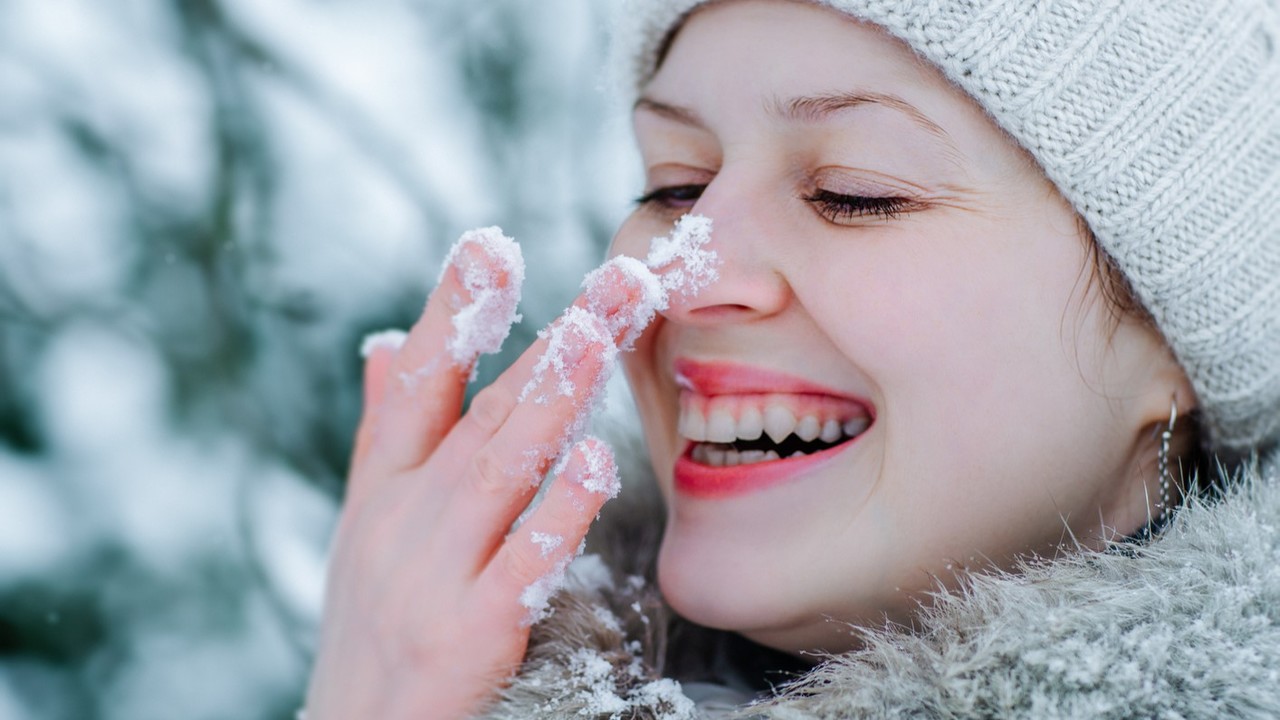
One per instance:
(490, 409)
(488, 473)
(566, 515)
(521, 562)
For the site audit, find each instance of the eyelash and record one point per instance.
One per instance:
(669, 196)
(835, 207)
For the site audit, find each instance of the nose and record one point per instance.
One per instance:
(749, 242)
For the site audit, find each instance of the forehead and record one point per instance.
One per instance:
(807, 48)
(740, 60)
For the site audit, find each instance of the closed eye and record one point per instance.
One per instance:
(839, 208)
(672, 197)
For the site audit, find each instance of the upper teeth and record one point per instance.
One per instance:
(724, 420)
(779, 422)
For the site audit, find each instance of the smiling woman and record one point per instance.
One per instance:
(986, 296)
(897, 257)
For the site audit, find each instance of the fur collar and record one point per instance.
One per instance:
(1186, 626)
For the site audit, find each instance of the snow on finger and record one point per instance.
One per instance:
(569, 339)
(596, 470)
(490, 268)
(626, 294)
(589, 465)
(536, 596)
(390, 338)
(546, 542)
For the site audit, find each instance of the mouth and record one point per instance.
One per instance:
(746, 429)
(727, 431)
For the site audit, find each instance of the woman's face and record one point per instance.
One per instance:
(897, 279)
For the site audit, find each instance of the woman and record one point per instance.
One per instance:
(992, 276)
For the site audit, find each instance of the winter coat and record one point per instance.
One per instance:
(1186, 625)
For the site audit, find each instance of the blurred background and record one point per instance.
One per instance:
(204, 205)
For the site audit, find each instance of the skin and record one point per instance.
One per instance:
(1013, 414)
(422, 614)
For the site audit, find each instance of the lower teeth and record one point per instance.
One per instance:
(719, 456)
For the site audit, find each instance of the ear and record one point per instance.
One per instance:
(1168, 392)
(1163, 395)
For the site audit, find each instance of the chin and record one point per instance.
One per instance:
(713, 587)
(743, 582)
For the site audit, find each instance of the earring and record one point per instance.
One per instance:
(1162, 462)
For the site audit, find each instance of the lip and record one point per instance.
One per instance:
(708, 482)
(727, 378)
(724, 378)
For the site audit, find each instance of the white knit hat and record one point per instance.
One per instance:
(1158, 121)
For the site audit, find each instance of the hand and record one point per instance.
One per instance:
(429, 599)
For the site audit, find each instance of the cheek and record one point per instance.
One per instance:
(972, 345)
(656, 404)
(634, 235)
(946, 317)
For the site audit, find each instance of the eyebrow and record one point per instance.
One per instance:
(811, 109)
(684, 116)
(816, 108)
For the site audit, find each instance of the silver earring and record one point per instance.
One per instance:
(1162, 462)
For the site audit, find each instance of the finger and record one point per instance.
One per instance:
(546, 416)
(626, 295)
(622, 293)
(520, 424)
(378, 351)
(530, 565)
(469, 313)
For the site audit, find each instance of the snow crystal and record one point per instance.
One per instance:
(536, 597)
(601, 472)
(680, 259)
(665, 692)
(600, 290)
(589, 573)
(584, 572)
(533, 459)
(599, 695)
(492, 274)
(409, 379)
(546, 542)
(606, 618)
(598, 472)
(390, 338)
(569, 338)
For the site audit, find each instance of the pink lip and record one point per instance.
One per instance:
(707, 482)
(723, 378)
(719, 378)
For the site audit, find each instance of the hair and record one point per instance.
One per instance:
(1196, 469)
(1112, 284)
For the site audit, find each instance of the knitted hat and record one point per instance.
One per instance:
(1158, 121)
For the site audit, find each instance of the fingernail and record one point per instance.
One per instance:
(625, 295)
(490, 270)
